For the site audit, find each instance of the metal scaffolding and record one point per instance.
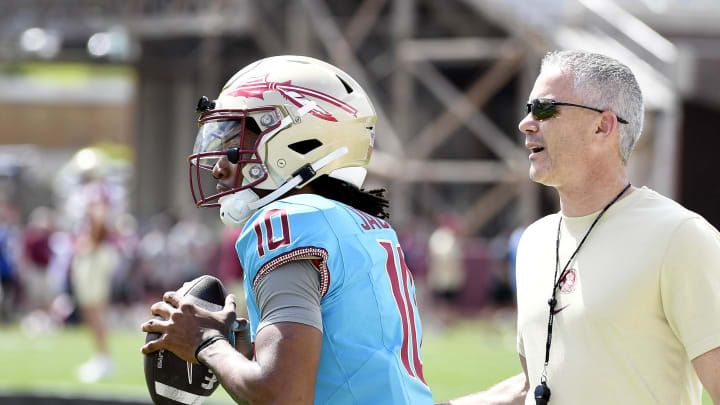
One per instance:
(449, 80)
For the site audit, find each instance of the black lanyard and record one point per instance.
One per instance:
(542, 392)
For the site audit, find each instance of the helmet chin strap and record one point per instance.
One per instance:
(237, 208)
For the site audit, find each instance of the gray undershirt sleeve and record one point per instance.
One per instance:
(290, 293)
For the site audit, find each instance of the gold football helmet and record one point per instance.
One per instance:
(311, 119)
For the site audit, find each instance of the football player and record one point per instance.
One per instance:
(331, 301)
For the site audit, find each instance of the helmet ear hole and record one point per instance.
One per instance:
(306, 146)
(345, 84)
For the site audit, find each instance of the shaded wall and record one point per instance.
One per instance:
(700, 144)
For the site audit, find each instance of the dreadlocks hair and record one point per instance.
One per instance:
(372, 202)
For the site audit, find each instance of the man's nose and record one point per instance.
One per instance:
(528, 124)
(221, 170)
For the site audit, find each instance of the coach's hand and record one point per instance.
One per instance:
(185, 326)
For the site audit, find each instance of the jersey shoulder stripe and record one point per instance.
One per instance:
(300, 253)
(294, 228)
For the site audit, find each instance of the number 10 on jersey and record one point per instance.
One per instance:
(401, 282)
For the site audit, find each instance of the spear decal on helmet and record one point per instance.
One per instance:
(257, 86)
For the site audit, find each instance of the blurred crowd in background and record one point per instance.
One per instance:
(84, 246)
(42, 248)
(84, 258)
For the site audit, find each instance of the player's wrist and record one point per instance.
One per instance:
(205, 345)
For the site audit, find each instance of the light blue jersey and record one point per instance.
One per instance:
(371, 325)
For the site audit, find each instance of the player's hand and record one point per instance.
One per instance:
(185, 326)
(243, 342)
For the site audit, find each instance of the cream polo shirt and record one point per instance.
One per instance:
(641, 301)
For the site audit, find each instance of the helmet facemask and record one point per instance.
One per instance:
(224, 134)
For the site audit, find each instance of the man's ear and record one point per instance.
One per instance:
(607, 125)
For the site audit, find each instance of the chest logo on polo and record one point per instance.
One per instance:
(567, 282)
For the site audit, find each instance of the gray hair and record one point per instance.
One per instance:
(607, 84)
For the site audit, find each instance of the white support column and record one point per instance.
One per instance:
(665, 157)
(403, 90)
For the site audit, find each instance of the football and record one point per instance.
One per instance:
(172, 380)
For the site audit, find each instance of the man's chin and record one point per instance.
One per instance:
(538, 175)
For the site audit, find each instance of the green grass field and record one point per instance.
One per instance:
(468, 357)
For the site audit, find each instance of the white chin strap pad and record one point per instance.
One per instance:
(235, 209)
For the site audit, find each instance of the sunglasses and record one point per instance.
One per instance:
(544, 108)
